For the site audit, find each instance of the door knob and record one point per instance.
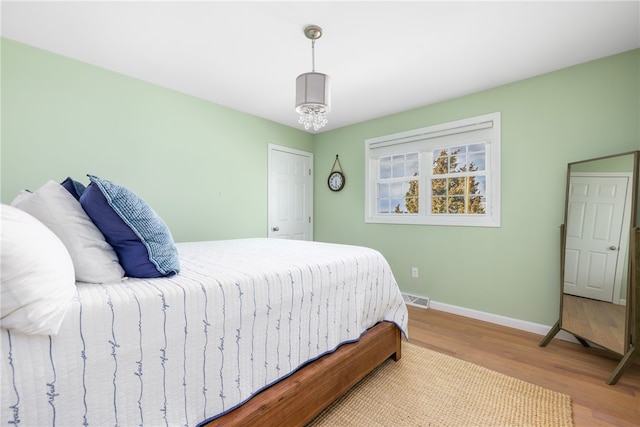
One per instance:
(613, 248)
(275, 229)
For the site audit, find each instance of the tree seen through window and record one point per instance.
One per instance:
(454, 188)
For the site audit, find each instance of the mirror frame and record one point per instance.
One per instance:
(632, 312)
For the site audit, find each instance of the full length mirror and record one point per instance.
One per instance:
(598, 263)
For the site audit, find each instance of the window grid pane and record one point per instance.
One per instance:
(465, 195)
(458, 159)
(461, 184)
(397, 192)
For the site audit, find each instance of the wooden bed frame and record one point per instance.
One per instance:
(299, 398)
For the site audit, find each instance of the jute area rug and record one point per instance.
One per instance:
(426, 388)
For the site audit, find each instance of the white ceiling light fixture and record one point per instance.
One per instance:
(313, 97)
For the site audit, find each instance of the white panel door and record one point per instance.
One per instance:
(596, 207)
(290, 193)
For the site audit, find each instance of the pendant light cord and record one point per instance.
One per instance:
(313, 55)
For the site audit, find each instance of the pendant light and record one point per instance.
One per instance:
(313, 89)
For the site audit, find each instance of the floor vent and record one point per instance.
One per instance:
(415, 300)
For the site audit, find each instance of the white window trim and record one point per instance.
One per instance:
(490, 219)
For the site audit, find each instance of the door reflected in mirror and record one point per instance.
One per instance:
(599, 216)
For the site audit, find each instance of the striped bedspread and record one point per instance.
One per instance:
(179, 351)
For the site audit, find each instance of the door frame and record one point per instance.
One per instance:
(622, 261)
(274, 147)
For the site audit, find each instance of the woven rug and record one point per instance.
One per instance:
(426, 388)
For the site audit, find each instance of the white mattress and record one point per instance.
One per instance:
(178, 351)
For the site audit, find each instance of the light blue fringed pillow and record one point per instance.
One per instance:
(139, 236)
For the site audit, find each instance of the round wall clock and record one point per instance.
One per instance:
(336, 179)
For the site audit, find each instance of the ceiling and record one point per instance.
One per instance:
(383, 57)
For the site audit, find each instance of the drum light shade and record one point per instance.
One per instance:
(313, 90)
(313, 99)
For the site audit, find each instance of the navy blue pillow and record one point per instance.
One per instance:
(74, 187)
(139, 236)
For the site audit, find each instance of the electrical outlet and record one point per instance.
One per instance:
(414, 272)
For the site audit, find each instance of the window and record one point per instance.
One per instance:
(446, 174)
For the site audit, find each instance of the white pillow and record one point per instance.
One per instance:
(38, 281)
(94, 259)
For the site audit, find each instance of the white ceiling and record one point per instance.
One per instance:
(383, 57)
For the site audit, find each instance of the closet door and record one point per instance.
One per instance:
(290, 193)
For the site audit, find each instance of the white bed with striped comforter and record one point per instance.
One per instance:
(183, 350)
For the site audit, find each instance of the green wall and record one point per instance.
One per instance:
(202, 167)
(585, 111)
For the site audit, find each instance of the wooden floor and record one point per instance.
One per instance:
(601, 322)
(561, 366)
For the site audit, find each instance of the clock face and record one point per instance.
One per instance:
(336, 181)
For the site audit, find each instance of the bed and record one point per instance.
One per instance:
(250, 332)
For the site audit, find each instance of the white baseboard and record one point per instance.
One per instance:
(523, 325)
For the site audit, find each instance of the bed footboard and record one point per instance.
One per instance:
(297, 399)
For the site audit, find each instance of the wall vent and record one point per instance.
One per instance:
(415, 300)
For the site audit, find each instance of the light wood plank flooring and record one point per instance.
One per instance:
(601, 322)
(561, 366)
